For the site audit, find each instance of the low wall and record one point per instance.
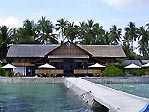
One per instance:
(118, 80)
(31, 80)
(97, 80)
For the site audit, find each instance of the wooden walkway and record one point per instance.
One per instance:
(115, 101)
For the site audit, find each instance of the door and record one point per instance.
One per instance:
(68, 67)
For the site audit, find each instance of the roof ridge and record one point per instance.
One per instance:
(98, 45)
(35, 45)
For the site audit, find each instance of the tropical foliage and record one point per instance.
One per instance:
(113, 71)
(26, 34)
(86, 32)
(44, 31)
(137, 72)
(6, 38)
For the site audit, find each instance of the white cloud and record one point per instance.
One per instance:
(10, 22)
(128, 4)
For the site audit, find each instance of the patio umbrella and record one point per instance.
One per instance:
(8, 66)
(145, 65)
(132, 66)
(96, 65)
(46, 66)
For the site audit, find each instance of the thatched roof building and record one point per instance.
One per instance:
(36, 50)
(67, 56)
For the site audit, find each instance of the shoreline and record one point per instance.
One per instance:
(56, 80)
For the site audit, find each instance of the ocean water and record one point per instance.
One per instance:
(141, 90)
(39, 98)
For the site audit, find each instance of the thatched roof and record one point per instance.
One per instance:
(145, 61)
(104, 50)
(34, 50)
(128, 62)
(29, 50)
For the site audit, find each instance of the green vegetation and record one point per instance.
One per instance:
(18, 74)
(3, 72)
(87, 32)
(118, 70)
(113, 71)
(137, 72)
(9, 73)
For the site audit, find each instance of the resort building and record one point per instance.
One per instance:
(68, 59)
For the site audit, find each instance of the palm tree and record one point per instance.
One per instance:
(115, 35)
(45, 32)
(131, 34)
(26, 34)
(97, 33)
(88, 32)
(61, 26)
(105, 40)
(81, 32)
(6, 38)
(71, 31)
(93, 33)
(147, 26)
(128, 52)
(143, 41)
(101, 36)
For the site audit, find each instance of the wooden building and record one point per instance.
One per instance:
(68, 58)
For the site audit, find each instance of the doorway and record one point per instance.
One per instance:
(68, 67)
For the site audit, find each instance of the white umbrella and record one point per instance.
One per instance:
(97, 65)
(145, 65)
(46, 66)
(8, 66)
(132, 66)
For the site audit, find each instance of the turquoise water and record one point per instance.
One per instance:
(141, 90)
(39, 98)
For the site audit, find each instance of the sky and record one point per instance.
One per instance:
(105, 12)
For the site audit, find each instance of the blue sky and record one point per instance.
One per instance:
(105, 12)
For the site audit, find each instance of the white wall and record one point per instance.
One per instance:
(21, 70)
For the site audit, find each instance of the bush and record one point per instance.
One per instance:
(3, 72)
(137, 72)
(11, 73)
(6, 73)
(113, 71)
(18, 74)
(118, 65)
(146, 71)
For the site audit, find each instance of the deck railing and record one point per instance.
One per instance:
(48, 71)
(94, 72)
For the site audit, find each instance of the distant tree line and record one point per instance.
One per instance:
(91, 33)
